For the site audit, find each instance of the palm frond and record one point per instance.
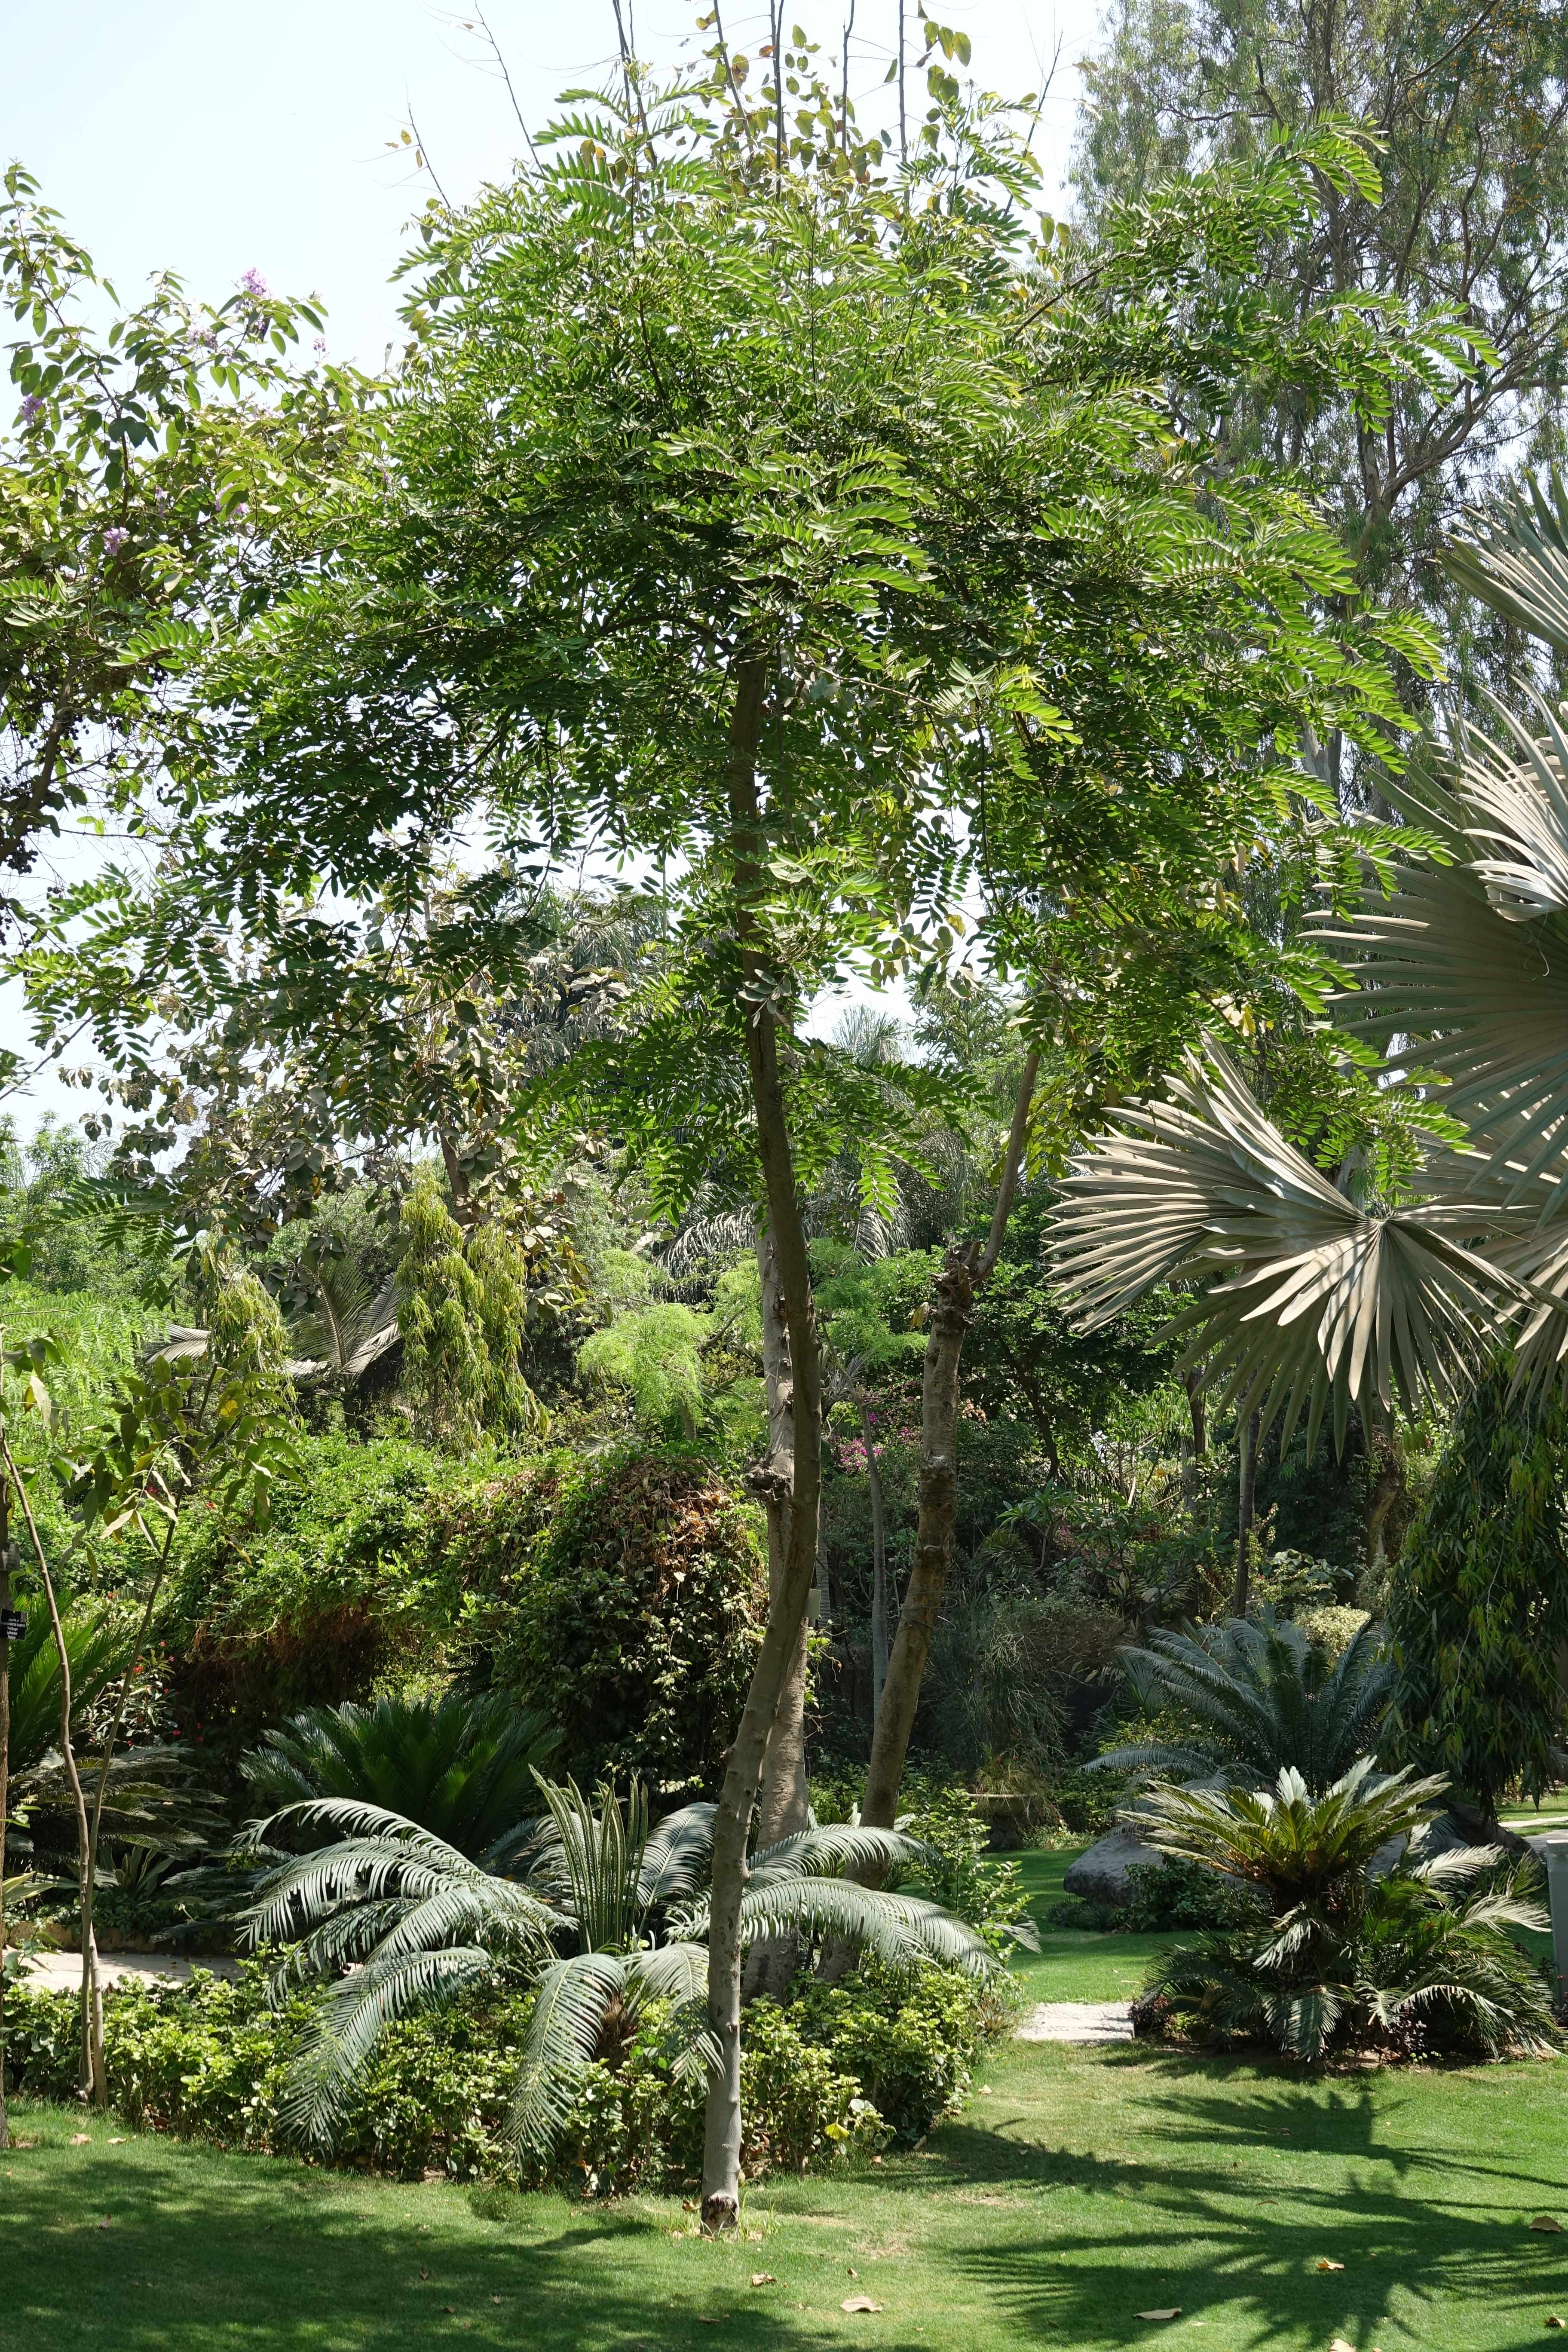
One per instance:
(1310, 1303)
(352, 2018)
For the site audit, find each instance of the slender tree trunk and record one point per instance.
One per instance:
(1246, 1496)
(4, 1780)
(964, 1270)
(783, 1800)
(92, 2080)
(732, 1817)
(881, 1613)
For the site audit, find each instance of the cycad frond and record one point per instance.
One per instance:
(574, 1999)
(353, 2016)
(898, 1928)
(676, 1856)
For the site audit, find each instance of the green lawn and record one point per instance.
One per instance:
(1073, 1967)
(1081, 2187)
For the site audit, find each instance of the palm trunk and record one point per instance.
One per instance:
(964, 1270)
(786, 1612)
(92, 2079)
(881, 1613)
(1247, 1502)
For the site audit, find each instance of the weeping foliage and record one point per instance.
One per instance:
(1253, 1700)
(1339, 1955)
(462, 1310)
(656, 1351)
(1479, 1610)
(460, 1766)
(419, 1923)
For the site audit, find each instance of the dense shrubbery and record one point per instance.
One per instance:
(633, 1625)
(1161, 1896)
(842, 2069)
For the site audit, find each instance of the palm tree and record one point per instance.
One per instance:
(1255, 1700)
(460, 1766)
(1310, 1302)
(416, 1924)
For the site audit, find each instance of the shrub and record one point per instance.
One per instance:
(635, 1621)
(833, 2074)
(987, 1895)
(1163, 1895)
(1337, 1956)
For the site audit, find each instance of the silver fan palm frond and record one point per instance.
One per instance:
(1310, 1301)
(1515, 559)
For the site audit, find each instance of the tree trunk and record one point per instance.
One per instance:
(786, 1613)
(1246, 1497)
(881, 1613)
(4, 1780)
(965, 1268)
(92, 2079)
(782, 1801)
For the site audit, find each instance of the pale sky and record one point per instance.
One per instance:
(210, 137)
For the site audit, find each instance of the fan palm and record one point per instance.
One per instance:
(1255, 1699)
(1465, 964)
(1341, 1951)
(417, 1925)
(460, 1766)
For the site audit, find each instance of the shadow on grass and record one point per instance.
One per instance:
(1216, 2214)
(165, 2249)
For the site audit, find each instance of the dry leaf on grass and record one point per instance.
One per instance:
(118, 2141)
(1175, 2312)
(763, 2278)
(1326, 2266)
(1547, 2222)
(858, 2302)
(1552, 2320)
(84, 2139)
(1339, 2345)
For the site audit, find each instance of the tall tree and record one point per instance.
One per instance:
(1467, 109)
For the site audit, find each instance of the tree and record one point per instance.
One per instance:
(1467, 112)
(1479, 1609)
(159, 456)
(719, 518)
(462, 1307)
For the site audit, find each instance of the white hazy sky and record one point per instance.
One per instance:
(215, 136)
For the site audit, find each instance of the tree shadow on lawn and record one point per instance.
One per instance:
(264, 2253)
(1420, 2228)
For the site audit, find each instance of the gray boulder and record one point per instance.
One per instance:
(1100, 1875)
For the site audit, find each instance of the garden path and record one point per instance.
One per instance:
(61, 1972)
(1077, 2021)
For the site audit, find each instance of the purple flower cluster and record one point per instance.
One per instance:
(114, 539)
(31, 404)
(254, 283)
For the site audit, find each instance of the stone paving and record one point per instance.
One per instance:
(59, 1971)
(1077, 2021)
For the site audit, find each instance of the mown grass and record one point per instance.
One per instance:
(1080, 2187)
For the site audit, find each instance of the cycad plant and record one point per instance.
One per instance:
(1345, 1949)
(1247, 1701)
(460, 1766)
(418, 1924)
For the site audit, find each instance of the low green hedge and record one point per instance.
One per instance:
(843, 2068)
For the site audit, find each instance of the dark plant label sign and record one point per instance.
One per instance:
(13, 1625)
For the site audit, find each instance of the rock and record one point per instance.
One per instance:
(1100, 1875)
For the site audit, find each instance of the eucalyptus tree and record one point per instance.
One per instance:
(1468, 110)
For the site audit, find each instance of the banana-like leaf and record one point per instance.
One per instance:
(1315, 1302)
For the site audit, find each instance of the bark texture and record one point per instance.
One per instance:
(965, 1268)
